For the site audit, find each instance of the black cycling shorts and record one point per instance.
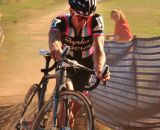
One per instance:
(80, 77)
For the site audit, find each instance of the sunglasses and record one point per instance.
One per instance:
(80, 17)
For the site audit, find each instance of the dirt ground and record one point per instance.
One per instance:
(11, 99)
(13, 86)
(9, 113)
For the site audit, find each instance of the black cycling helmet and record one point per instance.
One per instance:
(83, 7)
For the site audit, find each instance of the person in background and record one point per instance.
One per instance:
(122, 31)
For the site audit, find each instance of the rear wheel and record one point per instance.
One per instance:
(74, 112)
(30, 108)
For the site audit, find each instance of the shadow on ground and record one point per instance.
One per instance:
(9, 115)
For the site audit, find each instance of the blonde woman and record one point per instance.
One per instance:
(122, 31)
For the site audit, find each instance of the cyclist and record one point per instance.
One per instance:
(82, 31)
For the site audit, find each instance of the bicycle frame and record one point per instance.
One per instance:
(42, 86)
(43, 83)
(61, 84)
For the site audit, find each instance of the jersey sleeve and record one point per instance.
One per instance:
(126, 32)
(98, 25)
(58, 23)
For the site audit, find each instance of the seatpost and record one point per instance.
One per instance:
(47, 59)
(43, 83)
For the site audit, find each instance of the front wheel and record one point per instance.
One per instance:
(74, 112)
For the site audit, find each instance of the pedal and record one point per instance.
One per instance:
(17, 126)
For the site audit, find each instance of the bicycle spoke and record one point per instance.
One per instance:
(73, 113)
(30, 108)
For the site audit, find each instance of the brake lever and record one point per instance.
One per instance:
(65, 51)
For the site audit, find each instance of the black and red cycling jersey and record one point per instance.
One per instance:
(81, 45)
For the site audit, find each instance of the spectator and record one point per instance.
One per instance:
(122, 31)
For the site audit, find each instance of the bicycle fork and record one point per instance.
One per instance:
(63, 122)
(60, 86)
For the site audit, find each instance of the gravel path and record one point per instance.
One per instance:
(11, 98)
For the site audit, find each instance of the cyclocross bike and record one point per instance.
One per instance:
(56, 114)
(35, 97)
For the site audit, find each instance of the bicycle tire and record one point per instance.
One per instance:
(30, 107)
(84, 119)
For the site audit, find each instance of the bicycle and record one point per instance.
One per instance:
(35, 97)
(56, 113)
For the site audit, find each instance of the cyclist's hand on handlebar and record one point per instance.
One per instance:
(106, 76)
(103, 75)
(56, 52)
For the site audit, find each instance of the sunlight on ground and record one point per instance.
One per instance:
(99, 126)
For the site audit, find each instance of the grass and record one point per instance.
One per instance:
(14, 14)
(143, 15)
(18, 11)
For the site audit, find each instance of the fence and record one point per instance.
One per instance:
(131, 98)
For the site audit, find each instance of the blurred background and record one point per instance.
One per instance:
(24, 26)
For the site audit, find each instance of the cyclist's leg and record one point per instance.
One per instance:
(62, 110)
(69, 84)
(83, 119)
(74, 109)
(79, 80)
